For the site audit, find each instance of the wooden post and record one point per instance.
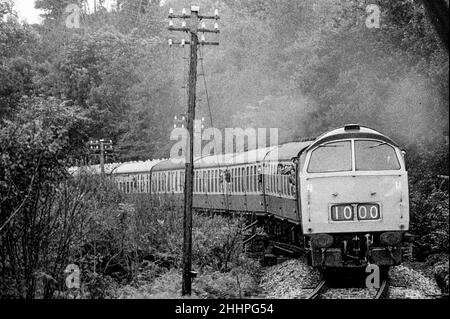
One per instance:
(193, 29)
(189, 181)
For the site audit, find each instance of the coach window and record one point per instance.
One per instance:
(196, 181)
(204, 181)
(375, 156)
(201, 181)
(246, 179)
(238, 179)
(181, 181)
(241, 179)
(271, 178)
(211, 180)
(233, 180)
(172, 181)
(249, 178)
(165, 182)
(255, 179)
(331, 157)
(175, 181)
(169, 181)
(217, 180)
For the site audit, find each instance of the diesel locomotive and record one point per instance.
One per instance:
(343, 196)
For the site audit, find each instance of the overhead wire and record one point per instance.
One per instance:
(208, 102)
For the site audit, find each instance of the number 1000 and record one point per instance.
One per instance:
(347, 212)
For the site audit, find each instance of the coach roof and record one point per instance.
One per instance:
(283, 152)
(286, 152)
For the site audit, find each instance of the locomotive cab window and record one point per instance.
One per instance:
(331, 157)
(375, 156)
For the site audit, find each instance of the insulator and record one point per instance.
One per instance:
(202, 38)
(170, 23)
(216, 13)
(183, 42)
(203, 25)
(216, 26)
(183, 24)
(183, 12)
(170, 42)
(171, 11)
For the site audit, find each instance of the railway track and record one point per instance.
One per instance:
(382, 292)
(322, 286)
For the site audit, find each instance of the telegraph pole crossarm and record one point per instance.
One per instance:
(194, 42)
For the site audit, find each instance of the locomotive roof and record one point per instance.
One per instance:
(351, 131)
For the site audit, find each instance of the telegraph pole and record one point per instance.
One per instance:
(102, 148)
(193, 29)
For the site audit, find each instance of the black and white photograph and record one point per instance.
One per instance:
(224, 157)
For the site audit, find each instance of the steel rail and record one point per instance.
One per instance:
(318, 290)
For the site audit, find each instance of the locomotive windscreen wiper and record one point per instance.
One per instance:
(333, 145)
(380, 144)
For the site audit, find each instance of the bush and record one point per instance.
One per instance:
(429, 222)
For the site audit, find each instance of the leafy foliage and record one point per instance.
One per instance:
(304, 67)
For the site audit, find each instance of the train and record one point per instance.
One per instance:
(342, 197)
